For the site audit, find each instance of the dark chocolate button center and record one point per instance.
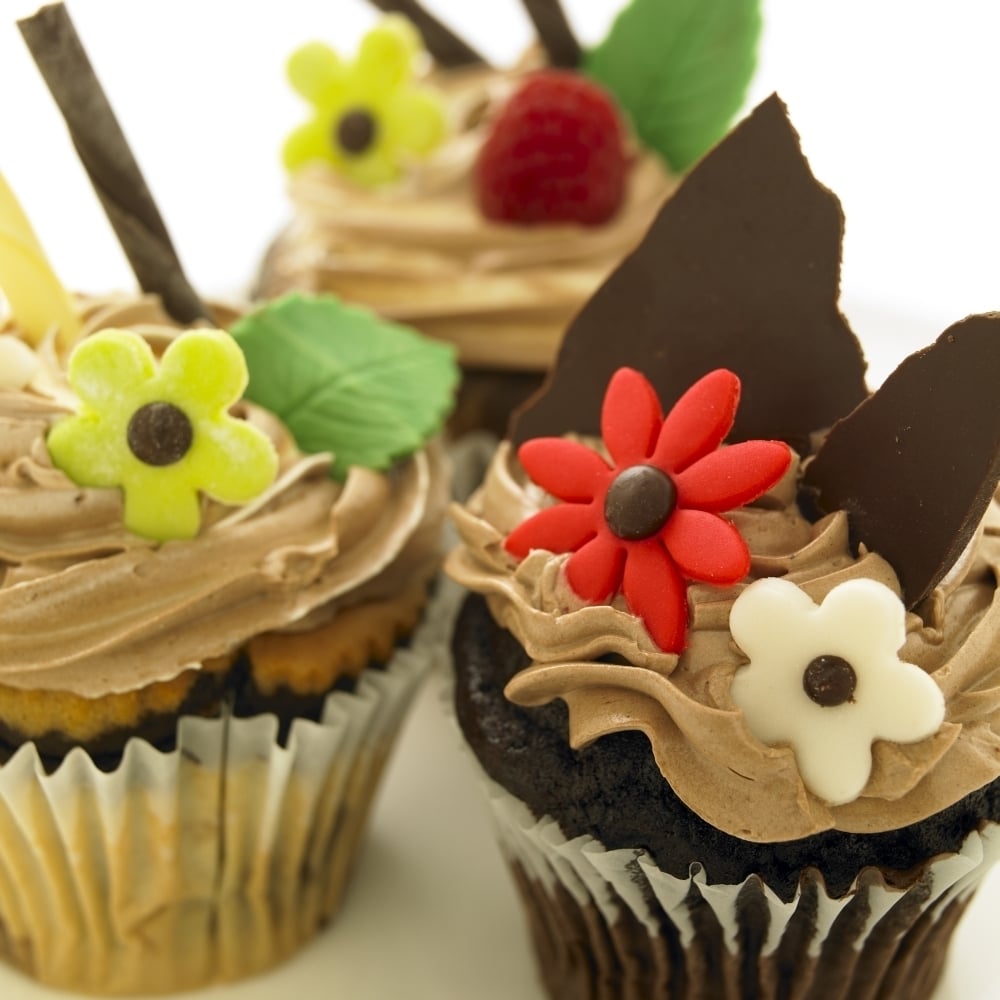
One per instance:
(355, 131)
(160, 434)
(639, 502)
(829, 681)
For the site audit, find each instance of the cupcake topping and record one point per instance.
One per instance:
(356, 130)
(651, 520)
(709, 285)
(849, 680)
(830, 706)
(555, 153)
(679, 71)
(829, 680)
(18, 362)
(370, 119)
(159, 434)
(36, 299)
(639, 501)
(928, 415)
(163, 432)
(344, 381)
(108, 160)
(132, 612)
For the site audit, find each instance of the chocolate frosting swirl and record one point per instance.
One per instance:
(88, 607)
(682, 703)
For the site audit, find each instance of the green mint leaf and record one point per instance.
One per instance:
(680, 69)
(345, 381)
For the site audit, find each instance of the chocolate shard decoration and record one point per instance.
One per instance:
(442, 43)
(740, 270)
(105, 154)
(916, 464)
(554, 32)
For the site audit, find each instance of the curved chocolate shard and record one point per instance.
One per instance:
(741, 270)
(916, 464)
(554, 32)
(442, 43)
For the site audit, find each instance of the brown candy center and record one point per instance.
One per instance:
(160, 434)
(829, 680)
(639, 502)
(355, 131)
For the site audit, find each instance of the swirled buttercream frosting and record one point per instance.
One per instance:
(421, 251)
(602, 662)
(89, 608)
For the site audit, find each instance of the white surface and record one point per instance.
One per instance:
(896, 104)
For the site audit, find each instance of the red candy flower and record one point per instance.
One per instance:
(651, 521)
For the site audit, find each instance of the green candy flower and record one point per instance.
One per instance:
(163, 434)
(370, 118)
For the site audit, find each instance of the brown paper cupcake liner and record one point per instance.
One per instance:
(610, 924)
(207, 863)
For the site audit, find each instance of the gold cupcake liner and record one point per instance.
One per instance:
(610, 924)
(208, 863)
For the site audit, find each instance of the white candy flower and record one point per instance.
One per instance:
(18, 363)
(826, 679)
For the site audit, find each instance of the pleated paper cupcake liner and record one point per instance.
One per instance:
(610, 925)
(207, 863)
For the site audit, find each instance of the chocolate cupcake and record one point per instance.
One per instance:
(451, 209)
(219, 537)
(729, 665)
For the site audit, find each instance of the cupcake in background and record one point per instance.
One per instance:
(729, 664)
(218, 552)
(484, 205)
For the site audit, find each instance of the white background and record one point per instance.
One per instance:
(897, 105)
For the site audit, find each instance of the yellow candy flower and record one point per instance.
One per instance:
(162, 434)
(370, 118)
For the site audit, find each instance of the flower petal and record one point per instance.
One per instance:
(766, 609)
(566, 469)
(169, 510)
(314, 71)
(706, 547)
(594, 571)
(562, 528)
(834, 765)
(84, 449)
(732, 476)
(630, 417)
(655, 592)
(106, 368)
(414, 122)
(907, 706)
(308, 143)
(386, 55)
(698, 422)
(206, 369)
(371, 169)
(231, 461)
(868, 619)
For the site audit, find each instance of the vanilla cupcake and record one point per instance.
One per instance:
(209, 632)
(219, 537)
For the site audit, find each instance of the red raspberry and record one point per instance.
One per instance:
(556, 153)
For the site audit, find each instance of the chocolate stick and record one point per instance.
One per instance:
(554, 32)
(442, 43)
(105, 154)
